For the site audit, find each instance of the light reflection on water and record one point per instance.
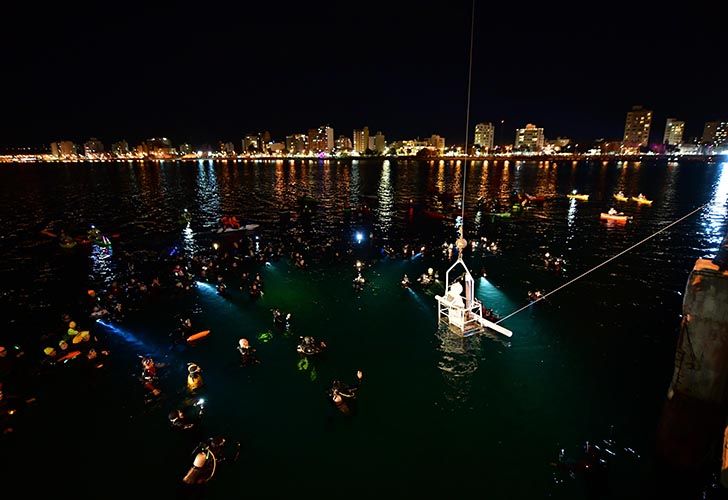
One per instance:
(715, 217)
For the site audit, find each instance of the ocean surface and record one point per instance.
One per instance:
(482, 416)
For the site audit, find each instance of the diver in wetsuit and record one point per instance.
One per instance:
(344, 396)
(247, 353)
(309, 346)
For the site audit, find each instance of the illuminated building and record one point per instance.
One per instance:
(93, 147)
(674, 130)
(158, 147)
(379, 143)
(63, 149)
(297, 143)
(343, 143)
(721, 136)
(709, 133)
(227, 148)
(120, 148)
(437, 142)
(251, 144)
(529, 138)
(361, 140)
(185, 149)
(637, 127)
(484, 133)
(322, 140)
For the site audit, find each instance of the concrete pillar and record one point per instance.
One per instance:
(690, 432)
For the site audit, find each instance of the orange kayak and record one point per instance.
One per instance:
(615, 217)
(68, 356)
(198, 335)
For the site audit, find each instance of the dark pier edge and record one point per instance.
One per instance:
(690, 434)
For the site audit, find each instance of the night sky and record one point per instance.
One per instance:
(209, 72)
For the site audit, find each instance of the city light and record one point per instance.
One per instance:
(359, 236)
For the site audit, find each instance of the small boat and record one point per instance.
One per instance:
(247, 227)
(619, 217)
(642, 200)
(198, 336)
(433, 215)
(576, 196)
(535, 199)
(620, 197)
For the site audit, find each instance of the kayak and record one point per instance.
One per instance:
(198, 335)
(81, 337)
(620, 217)
(70, 355)
(581, 197)
(500, 214)
(68, 244)
(535, 199)
(247, 227)
(620, 198)
(49, 233)
(433, 215)
(642, 201)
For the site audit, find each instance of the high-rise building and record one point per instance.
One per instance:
(120, 148)
(185, 148)
(343, 143)
(529, 138)
(63, 149)
(323, 139)
(484, 133)
(159, 147)
(379, 143)
(93, 147)
(361, 140)
(674, 130)
(437, 142)
(227, 149)
(637, 127)
(251, 144)
(371, 144)
(297, 143)
(721, 136)
(709, 132)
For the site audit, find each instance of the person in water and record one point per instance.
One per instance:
(344, 396)
(247, 352)
(309, 346)
(405, 281)
(194, 377)
(149, 376)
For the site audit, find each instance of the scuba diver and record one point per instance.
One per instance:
(247, 353)
(194, 377)
(93, 234)
(427, 278)
(309, 346)
(221, 288)
(358, 283)
(208, 455)
(344, 396)
(149, 376)
(187, 417)
(405, 282)
(281, 320)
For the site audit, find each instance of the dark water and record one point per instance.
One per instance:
(438, 415)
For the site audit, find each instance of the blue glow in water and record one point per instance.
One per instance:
(124, 334)
(206, 287)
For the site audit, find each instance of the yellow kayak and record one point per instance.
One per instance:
(619, 197)
(642, 201)
(615, 217)
(582, 197)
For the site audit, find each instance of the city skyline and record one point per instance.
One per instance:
(200, 77)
